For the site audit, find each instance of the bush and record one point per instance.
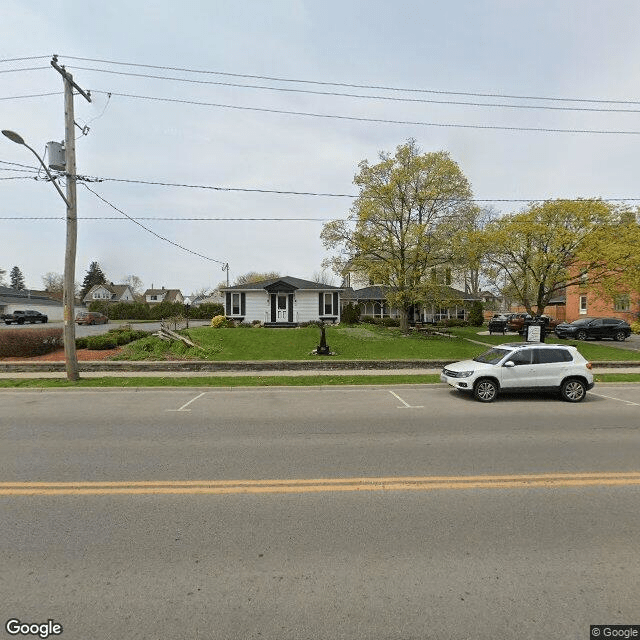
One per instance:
(476, 315)
(350, 314)
(635, 326)
(30, 342)
(218, 322)
(453, 322)
(81, 343)
(104, 341)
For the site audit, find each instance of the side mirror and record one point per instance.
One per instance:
(509, 363)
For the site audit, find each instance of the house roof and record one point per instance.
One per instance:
(288, 281)
(26, 297)
(379, 292)
(169, 294)
(116, 290)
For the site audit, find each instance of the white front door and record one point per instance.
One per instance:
(282, 307)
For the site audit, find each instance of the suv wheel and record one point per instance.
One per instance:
(620, 336)
(485, 390)
(581, 335)
(573, 390)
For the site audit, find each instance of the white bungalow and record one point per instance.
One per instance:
(282, 302)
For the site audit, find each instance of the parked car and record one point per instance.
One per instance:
(20, 317)
(596, 328)
(521, 366)
(518, 321)
(498, 324)
(91, 317)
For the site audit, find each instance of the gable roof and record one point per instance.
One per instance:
(288, 282)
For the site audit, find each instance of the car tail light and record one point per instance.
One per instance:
(588, 365)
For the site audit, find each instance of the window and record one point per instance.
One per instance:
(583, 304)
(328, 304)
(622, 303)
(547, 356)
(235, 304)
(154, 297)
(522, 357)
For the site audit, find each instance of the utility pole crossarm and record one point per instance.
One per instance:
(68, 77)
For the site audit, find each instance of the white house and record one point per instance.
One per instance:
(12, 300)
(282, 302)
(156, 296)
(109, 293)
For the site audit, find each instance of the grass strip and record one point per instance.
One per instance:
(212, 381)
(251, 381)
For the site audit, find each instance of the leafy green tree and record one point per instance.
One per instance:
(2, 274)
(93, 277)
(395, 233)
(476, 317)
(536, 254)
(17, 279)
(616, 248)
(256, 276)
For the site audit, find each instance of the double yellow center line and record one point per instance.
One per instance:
(410, 483)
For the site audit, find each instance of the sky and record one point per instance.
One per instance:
(416, 59)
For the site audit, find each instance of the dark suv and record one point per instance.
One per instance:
(596, 328)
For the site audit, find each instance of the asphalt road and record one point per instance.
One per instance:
(319, 513)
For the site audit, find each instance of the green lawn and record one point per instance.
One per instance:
(362, 342)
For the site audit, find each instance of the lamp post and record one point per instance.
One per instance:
(69, 267)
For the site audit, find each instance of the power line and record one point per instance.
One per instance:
(370, 120)
(33, 95)
(175, 244)
(359, 86)
(296, 193)
(24, 69)
(358, 95)
(26, 58)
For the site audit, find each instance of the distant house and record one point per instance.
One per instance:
(109, 293)
(285, 301)
(12, 300)
(454, 304)
(156, 296)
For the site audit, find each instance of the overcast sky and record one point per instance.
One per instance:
(582, 49)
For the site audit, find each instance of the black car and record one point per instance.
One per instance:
(596, 328)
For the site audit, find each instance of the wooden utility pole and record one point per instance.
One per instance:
(68, 299)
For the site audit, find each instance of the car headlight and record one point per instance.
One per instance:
(464, 374)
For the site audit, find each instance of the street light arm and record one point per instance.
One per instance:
(44, 166)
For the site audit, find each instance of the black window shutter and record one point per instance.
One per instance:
(243, 304)
(290, 314)
(228, 303)
(321, 304)
(273, 307)
(335, 303)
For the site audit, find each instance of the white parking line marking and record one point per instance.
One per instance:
(184, 406)
(406, 405)
(599, 395)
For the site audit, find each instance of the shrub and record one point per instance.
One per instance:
(453, 322)
(635, 326)
(476, 315)
(350, 313)
(104, 341)
(81, 343)
(217, 322)
(30, 342)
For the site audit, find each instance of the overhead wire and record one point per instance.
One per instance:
(157, 235)
(359, 95)
(357, 86)
(370, 120)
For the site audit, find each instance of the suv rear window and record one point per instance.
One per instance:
(545, 356)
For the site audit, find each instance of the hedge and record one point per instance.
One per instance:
(145, 311)
(30, 342)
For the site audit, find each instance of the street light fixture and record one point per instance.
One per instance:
(69, 285)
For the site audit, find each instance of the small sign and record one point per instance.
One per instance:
(533, 333)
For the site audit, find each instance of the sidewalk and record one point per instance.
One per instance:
(99, 369)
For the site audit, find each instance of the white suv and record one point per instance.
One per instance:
(522, 366)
